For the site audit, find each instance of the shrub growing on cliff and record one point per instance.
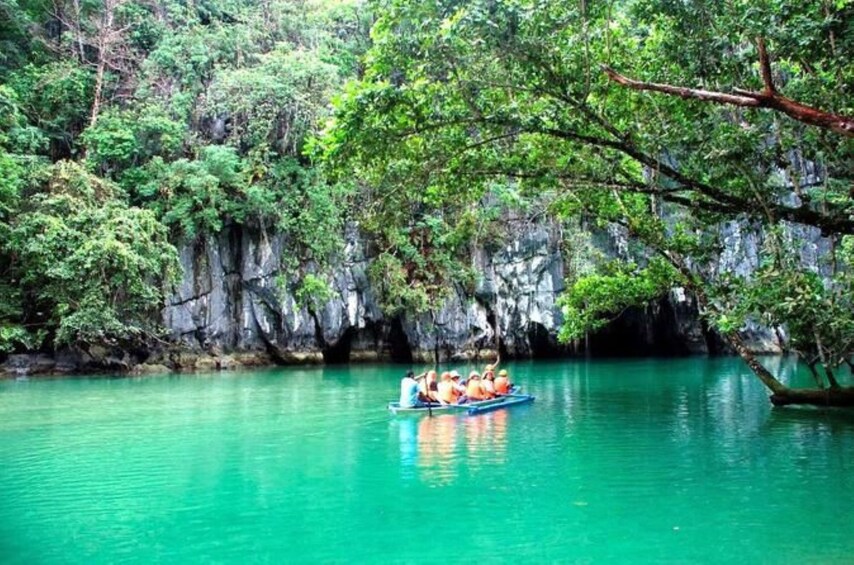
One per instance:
(89, 268)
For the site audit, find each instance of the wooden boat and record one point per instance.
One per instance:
(478, 407)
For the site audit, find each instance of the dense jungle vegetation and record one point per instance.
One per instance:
(129, 126)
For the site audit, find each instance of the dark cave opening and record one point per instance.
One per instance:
(340, 352)
(398, 344)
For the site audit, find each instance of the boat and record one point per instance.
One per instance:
(509, 400)
(471, 408)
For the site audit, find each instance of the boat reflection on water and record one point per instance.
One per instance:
(436, 446)
(408, 431)
(486, 438)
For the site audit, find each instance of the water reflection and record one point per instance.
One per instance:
(436, 447)
(486, 437)
(433, 448)
(408, 435)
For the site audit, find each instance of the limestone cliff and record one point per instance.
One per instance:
(235, 306)
(235, 298)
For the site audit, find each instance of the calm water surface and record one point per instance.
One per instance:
(629, 461)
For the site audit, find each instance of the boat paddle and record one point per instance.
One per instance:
(435, 363)
(427, 394)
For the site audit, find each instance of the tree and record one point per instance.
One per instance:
(100, 38)
(88, 269)
(462, 96)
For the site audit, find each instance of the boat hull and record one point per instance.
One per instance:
(467, 408)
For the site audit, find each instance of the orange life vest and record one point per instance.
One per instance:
(502, 385)
(447, 392)
(474, 390)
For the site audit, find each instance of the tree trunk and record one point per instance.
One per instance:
(764, 375)
(99, 86)
(841, 397)
(734, 339)
(831, 378)
(816, 377)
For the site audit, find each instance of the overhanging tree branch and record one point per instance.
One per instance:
(769, 97)
(803, 214)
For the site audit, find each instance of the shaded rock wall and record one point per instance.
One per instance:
(235, 297)
(235, 306)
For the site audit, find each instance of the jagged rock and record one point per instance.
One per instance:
(235, 305)
(237, 297)
(24, 364)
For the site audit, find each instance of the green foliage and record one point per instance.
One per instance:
(275, 102)
(300, 203)
(313, 292)
(460, 97)
(55, 98)
(194, 196)
(460, 117)
(594, 300)
(399, 292)
(422, 262)
(815, 310)
(14, 336)
(15, 133)
(121, 140)
(89, 268)
(203, 114)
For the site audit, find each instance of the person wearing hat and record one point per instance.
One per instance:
(446, 389)
(459, 386)
(502, 383)
(490, 368)
(430, 387)
(487, 384)
(474, 390)
(409, 390)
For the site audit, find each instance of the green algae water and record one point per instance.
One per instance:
(618, 461)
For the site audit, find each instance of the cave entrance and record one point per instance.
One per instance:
(540, 342)
(398, 344)
(340, 352)
(640, 332)
(625, 336)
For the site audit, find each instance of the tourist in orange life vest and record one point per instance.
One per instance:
(487, 384)
(446, 392)
(502, 383)
(429, 388)
(474, 391)
(459, 388)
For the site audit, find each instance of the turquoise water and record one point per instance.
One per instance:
(619, 461)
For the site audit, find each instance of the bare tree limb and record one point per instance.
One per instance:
(681, 91)
(768, 98)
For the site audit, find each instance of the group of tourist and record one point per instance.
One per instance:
(452, 388)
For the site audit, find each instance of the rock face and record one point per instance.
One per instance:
(236, 297)
(236, 306)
